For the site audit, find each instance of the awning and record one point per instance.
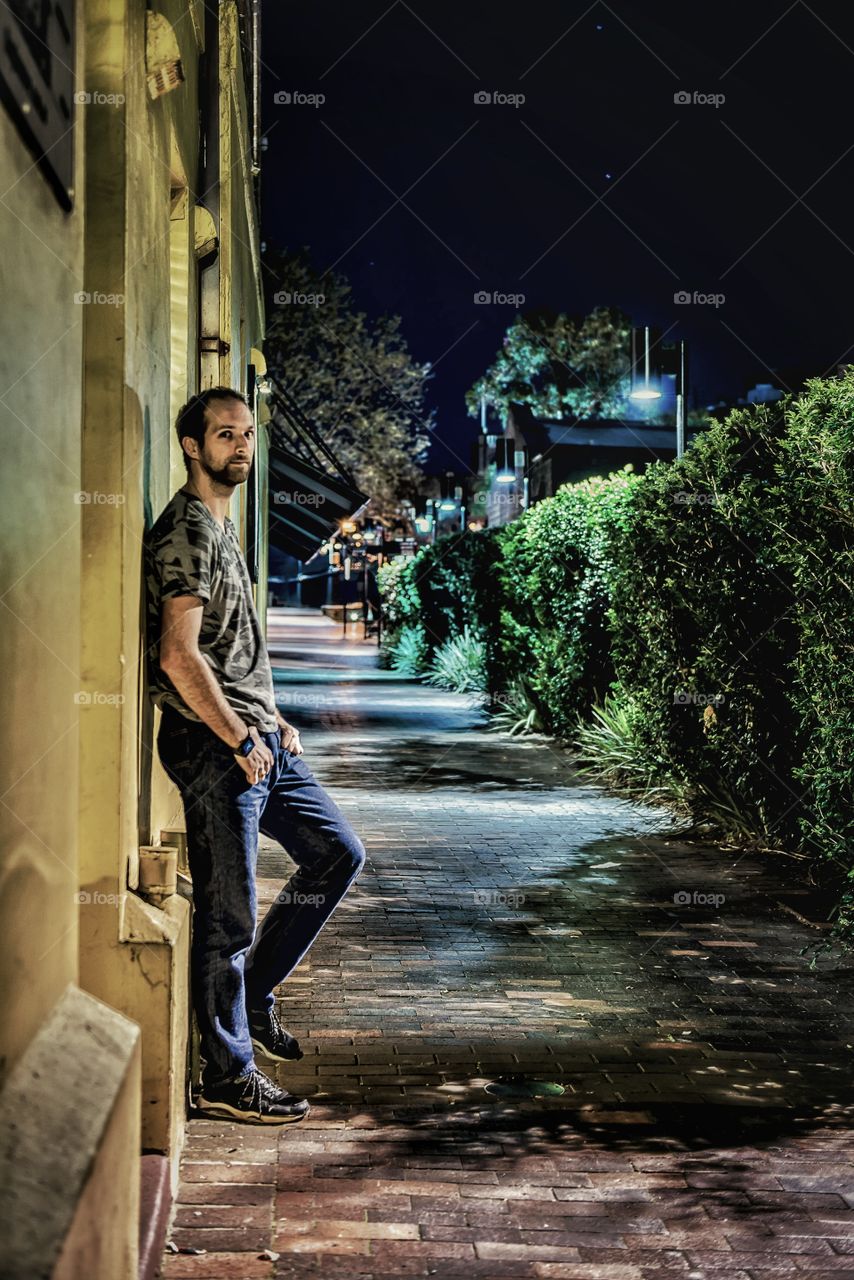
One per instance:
(310, 490)
(306, 503)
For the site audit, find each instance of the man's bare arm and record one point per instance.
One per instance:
(183, 663)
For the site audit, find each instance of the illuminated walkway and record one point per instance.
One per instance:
(516, 934)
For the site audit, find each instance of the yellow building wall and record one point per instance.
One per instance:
(88, 399)
(66, 1133)
(41, 270)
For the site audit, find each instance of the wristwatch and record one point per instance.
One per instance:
(246, 747)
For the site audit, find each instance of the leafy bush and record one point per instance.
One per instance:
(452, 575)
(813, 526)
(555, 582)
(400, 600)
(702, 626)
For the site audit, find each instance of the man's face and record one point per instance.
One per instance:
(229, 444)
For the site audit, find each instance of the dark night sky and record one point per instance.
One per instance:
(598, 190)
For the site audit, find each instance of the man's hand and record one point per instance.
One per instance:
(259, 762)
(289, 736)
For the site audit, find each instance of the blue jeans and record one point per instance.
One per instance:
(235, 967)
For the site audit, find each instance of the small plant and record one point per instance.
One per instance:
(518, 713)
(611, 752)
(460, 664)
(408, 650)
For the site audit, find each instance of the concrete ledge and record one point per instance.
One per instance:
(141, 921)
(69, 1147)
(136, 958)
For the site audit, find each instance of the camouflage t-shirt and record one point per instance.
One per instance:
(188, 553)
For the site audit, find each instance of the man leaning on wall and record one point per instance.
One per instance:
(239, 768)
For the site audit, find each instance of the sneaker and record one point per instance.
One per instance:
(270, 1037)
(253, 1098)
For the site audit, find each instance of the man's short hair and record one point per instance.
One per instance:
(191, 418)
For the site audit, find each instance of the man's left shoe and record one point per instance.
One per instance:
(270, 1037)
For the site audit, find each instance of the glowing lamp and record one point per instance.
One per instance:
(646, 364)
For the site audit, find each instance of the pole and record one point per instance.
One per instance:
(344, 589)
(365, 592)
(380, 563)
(681, 397)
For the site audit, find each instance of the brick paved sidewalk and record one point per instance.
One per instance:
(513, 926)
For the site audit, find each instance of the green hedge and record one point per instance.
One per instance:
(703, 627)
(712, 596)
(545, 613)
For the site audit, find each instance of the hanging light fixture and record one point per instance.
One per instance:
(448, 500)
(646, 364)
(505, 470)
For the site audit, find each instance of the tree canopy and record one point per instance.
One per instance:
(561, 366)
(354, 378)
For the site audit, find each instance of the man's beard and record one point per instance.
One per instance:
(228, 476)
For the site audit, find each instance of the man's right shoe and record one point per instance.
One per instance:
(270, 1037)
(253, 1098)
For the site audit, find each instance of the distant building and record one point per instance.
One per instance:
(541, 455)
(763, 393)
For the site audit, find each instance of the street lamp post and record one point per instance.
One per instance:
(650, 359)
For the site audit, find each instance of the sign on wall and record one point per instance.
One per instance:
(37, 84)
